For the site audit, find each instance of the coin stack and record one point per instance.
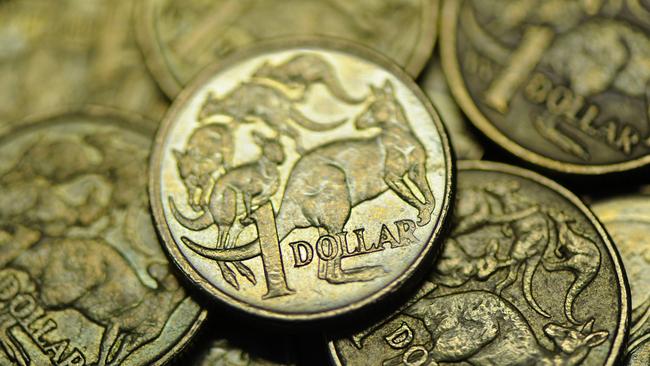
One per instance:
(324, 182)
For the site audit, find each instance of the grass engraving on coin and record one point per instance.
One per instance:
(627, 219)
(72, 52)
(527, 276)
(181, 37)
(83, 278)
(561, 84)
(301, 180)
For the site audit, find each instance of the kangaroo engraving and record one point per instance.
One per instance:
(254, 101)
(251, 184)
(575, 253)
(482, 328)
(301, 72)
(208, 150)
(93, 278)
(329, 180)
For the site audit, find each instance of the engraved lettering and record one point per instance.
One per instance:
(386, 237)
(406, 232)
(415, 356)
(302, 253)
(22, 306)
(276, 281)
(9, 287)
(57, 349)
(345, 246)
(74, 359)
(401, 337)
(327, 247)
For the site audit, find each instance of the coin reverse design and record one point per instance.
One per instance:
(180, 38)
(301, 180)
(627, 219)
(83, 278)
(527, 277)
(563, 85)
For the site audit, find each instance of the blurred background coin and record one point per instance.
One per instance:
(561, 84)
(627, 219)
(301, 180)
(182, 37)
(83, 279)
(465, 144)
(71, 52)
(527, 276)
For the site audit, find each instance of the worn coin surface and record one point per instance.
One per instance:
(562, 84)
(71, 52)
(83, 279)
(464, 142)
(301, 180)
(527, 277)
(182, 37)
(627, 219)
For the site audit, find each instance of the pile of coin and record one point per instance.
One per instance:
(324, 182)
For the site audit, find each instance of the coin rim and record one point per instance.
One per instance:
(617, 348)
(307, 43)
(451, 67)
(152, 48)
(124, 120)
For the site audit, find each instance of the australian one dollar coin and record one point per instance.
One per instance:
(181, 37)
(301, 180)
(83, 278)
(527, 276)
(562, 84)
(627, 219)
(57, 53)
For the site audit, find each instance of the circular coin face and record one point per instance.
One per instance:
(627, 219)
(527, 276)
(72, 52)
(181, 37)
(563, 84)
(83, 279)
(301, 180)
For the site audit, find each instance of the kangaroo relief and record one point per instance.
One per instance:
(296, 205)
(83, 280)
(522, 280)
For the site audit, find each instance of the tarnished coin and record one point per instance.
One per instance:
(301, 180)
(562, 84)
(464, 143)
(181, 37)
(83, 279)
(71, 52)
(527, 276)
(627, 219)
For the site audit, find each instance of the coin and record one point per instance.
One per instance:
(464, 143)
(527, 276)
(627, 219)
(71, 52)
(279, 180)
(561, 84)
(182, 37)
(83, 279)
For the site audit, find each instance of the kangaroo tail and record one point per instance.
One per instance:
(529, 273)
(240, 253)
(305, 122)
(200, 223)
(581, 281)
(335, 87)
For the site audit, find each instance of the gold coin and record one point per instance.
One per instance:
(83, 279)
(627, 219)
(561, 84)
(464, 142)
(56, 53)
(527, 276)
(181, 37)
(301, 180)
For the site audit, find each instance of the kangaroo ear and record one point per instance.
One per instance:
(595, 339)
(388, 88)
